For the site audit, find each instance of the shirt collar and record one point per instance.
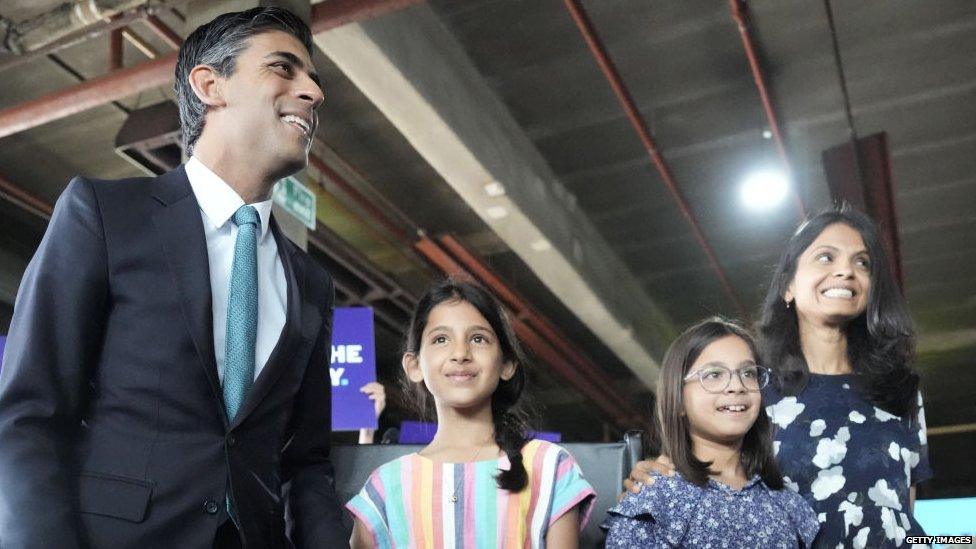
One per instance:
(217, 199)
(755, 482)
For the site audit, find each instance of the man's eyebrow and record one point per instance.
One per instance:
(295, 60)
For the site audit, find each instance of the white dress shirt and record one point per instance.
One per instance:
(218, 202)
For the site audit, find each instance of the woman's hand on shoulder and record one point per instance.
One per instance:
(640, 476)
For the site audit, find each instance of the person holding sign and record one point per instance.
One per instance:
(480, 481)
(375, 391)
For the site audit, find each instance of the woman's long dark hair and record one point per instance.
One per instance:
(880, 341)
(757, 445)
(508, 410)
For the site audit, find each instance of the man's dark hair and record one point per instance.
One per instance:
(217, 44)
(757, 446)
(880, 341)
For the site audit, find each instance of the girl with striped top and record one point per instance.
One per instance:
(480, 482)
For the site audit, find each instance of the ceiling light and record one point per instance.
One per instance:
(767, 134)
(541, 245)
(494, 188)
(763, 190)
(496, 212)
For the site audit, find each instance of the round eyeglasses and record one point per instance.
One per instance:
(716, 378)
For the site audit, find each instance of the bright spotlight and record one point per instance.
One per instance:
(764, 190)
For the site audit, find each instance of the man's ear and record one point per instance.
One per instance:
(206, 85)
(508, 370)
(411, 367)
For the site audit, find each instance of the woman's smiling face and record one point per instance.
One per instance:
(832, 281)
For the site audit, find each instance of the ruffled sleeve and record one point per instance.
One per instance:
(802, 517)
(657, 516)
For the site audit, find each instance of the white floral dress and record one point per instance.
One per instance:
(853, 462)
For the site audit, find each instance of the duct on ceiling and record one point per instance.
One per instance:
(67, 21)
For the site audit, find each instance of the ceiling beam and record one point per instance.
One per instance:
(146, 76)
(636, 119)
(417, 74)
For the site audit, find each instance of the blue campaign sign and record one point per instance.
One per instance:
(353, 365)
(3, 343)
(422, 432)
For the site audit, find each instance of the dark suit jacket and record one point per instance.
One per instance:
(112, 424)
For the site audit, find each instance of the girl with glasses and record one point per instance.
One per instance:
(727, 490)
(845, 400)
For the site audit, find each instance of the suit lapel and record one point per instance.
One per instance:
(180, 229)
(284, 351)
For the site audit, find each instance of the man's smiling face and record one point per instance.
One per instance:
(270, 102)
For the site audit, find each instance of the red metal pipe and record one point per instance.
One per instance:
(545, 351)
(524, 311)
(739, 13)
(586, 27)
(87, 95)
(29, 201)
(436, 255)
(164, 32)
(462, 264)
(115, 86)
(539, 345)
(115, 50)
(360, 199)
(336, 13)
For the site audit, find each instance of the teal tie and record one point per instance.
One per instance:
(242, 318)
(242, 312)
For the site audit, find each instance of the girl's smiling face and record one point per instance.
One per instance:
(727, 416)
(460, 360)
(832, 281)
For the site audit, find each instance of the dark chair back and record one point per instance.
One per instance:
(603, 464)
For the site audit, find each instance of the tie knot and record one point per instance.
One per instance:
(246, 214)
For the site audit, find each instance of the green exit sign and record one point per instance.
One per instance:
(296, 199)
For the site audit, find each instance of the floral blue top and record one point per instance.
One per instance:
(852, 461)
(673, 512)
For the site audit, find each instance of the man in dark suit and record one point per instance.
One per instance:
(166, 377)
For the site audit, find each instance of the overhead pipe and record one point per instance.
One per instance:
(87, 33)
(336, 13)
(538, 345)
(588, 31)
(523, 310)
(115, 50)
(568, 353)
(64, 20)
(25, 199)
(360, 199)
(163, 31)
(741, 17)
(140, 78)
(87, 95)
(451, 258)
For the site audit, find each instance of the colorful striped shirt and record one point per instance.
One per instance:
(415, 502)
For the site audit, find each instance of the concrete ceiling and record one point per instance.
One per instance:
(538, 115)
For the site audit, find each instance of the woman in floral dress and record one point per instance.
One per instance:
(850, 425)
